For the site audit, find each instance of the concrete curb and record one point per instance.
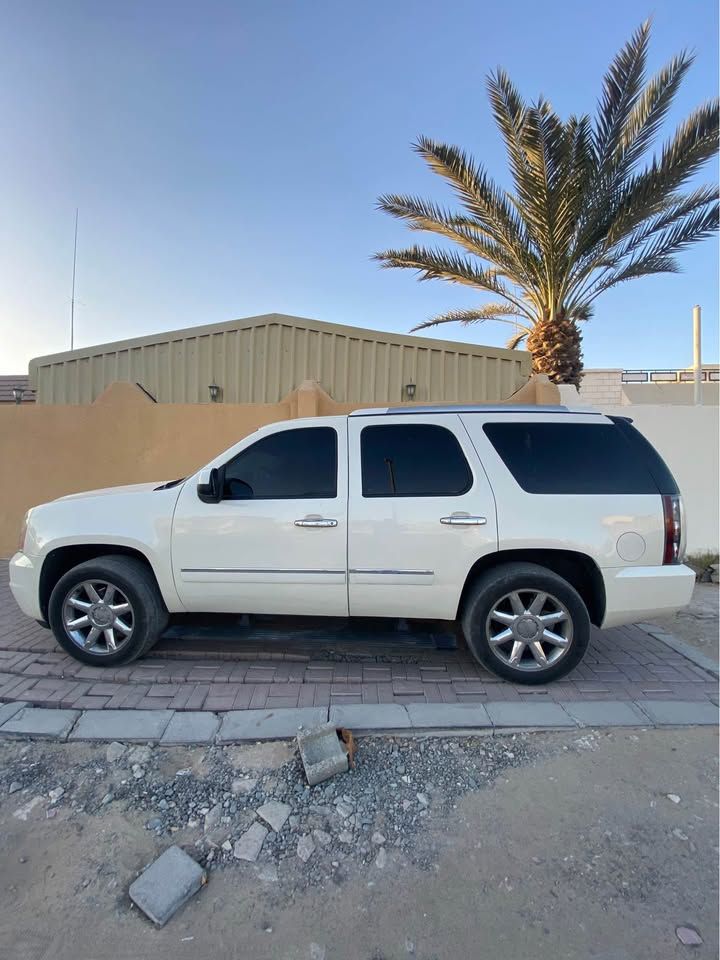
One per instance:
(201, 728)
(684, 649)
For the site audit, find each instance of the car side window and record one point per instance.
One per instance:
(297, 464)
(572, 458)
(412, 460)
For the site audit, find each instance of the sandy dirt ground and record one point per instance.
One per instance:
(599, 846)
(699, 623)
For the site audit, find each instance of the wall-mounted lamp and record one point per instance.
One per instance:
(410, 391)
(214, 392)
(18, 393)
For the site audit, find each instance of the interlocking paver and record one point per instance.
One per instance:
(624, 664)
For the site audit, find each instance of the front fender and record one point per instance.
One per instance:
(140, 522)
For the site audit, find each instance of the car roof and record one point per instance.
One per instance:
(508, 408)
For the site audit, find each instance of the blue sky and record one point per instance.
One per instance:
(226, 158)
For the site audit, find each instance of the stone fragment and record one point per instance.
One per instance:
(212, 817)
(243, 785)
(275, 813)
(344, 809)
(139, 755)
(268, 873)
(688, 936)
(23, 812)
(305, 847)
(115, 752)
(249, 845)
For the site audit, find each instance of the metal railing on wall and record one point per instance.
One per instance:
(668, 376)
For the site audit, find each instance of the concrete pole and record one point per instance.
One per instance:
(697, 356)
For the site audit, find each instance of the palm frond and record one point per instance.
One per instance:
(469, 234)
(621, 89)
(467, 316)
(513, 342)
(649, 111)
(432, 264)
(482, 198)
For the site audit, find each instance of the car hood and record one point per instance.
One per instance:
(114, 491)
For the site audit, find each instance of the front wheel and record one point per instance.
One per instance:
(107, 611)
(526, 623)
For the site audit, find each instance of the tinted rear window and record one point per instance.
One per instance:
(567, 458)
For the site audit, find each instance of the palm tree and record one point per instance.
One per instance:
(589, 208)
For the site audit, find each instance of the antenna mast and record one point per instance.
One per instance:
(72, 298)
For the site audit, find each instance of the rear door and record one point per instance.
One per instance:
(421, 512)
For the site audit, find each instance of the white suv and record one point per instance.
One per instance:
(525, 524)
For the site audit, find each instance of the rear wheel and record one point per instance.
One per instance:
(526, 623)
(107, 611)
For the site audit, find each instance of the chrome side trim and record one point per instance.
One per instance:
(408, 573)
(250, 570)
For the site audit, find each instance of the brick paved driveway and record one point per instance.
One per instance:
(275, 666)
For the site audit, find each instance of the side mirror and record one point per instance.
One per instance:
(210, 485)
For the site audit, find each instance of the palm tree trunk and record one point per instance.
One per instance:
(555, 345)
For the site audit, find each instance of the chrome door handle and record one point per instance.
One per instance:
(319, 522)
(463, 520)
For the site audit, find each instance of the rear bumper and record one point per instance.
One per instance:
(24, 574)
(641, 593)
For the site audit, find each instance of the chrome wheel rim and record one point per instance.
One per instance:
(98, 617)
(529, 630)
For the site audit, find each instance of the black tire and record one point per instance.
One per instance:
(488, 595)
(135, 580)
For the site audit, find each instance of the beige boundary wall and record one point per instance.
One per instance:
(48, 451)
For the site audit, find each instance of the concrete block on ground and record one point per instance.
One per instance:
(322, 753)
(129, 726)
(8, 710)
(445, 716)
(680, 713)
(40, 723)
(191, 727)
(268, 724)
(606, 713)
(514, 714)
(167, 884)
(370, 716)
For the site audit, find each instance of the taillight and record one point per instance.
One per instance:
(673, 514)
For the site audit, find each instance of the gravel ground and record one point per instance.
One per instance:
(208, 805)
(567, 844)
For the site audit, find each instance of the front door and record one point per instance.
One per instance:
(421, 513)
(277, 541)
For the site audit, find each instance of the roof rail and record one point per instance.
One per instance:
(474, 408)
